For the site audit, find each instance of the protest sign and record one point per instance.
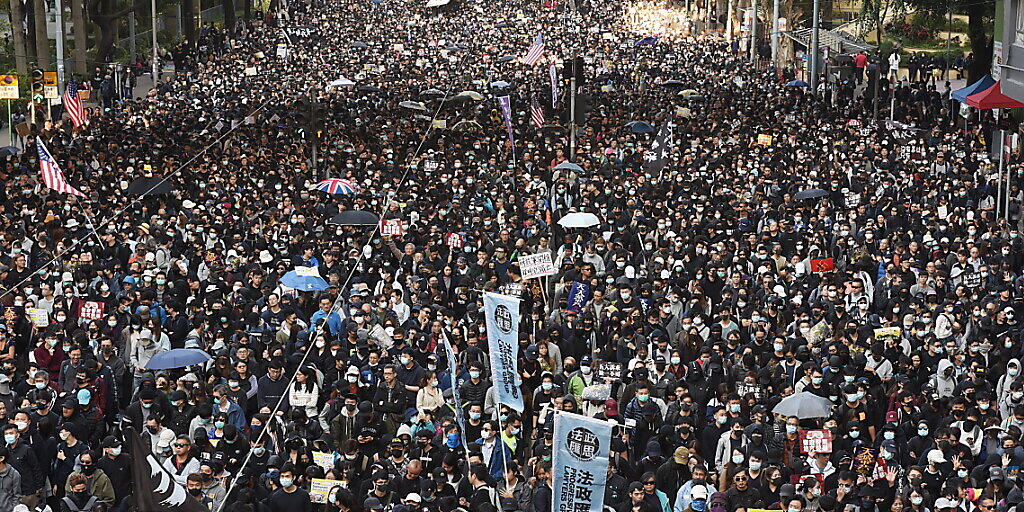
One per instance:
(321, 489)
(536, 265)
(502, 321)
(815, 441)
(580, 462)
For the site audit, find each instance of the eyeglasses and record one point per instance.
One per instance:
(649, 483)
(740, 479)
(181, 445)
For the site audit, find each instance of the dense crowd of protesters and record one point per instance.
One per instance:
(706, 308)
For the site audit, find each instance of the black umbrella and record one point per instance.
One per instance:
(811, 193)
(150, 186)
(672, 83)
(367, 88)
(506, 58)
(354, 218)
(360, 44)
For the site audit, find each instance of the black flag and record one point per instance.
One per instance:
(657, 157)
(154, 489)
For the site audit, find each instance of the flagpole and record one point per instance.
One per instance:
(88, 219)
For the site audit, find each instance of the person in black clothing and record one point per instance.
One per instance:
(289, 497)
(23, 459)
(117, 466)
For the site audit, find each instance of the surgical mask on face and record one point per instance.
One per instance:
(916, 500)
(286, 482)
(474, 416)
(10, 438)
(218, 424)
(755, 465)
(737, 459)
(721, 420)
(675, 360)
(734, 408)
(352, 378)
(259, 451)
(816, 381)
(473, 374)
(546, 386)
(791, 429)
(854, 434)
(643, 398)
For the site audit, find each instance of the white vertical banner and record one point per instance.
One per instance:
(580, 466)
(502, 320)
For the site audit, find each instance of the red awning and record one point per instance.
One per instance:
(993, 97)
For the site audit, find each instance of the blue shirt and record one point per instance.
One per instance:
(333, 327)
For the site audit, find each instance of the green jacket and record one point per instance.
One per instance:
(98, 485)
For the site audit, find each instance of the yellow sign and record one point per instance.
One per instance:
(50, 78)
(8, 87)
(764, 139)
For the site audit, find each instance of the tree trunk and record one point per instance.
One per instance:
(229, 15)
(188, 21)
(978, 28)
(81, 38)
(18, 31)
(30, 35)
(105, 15)
(42, 42)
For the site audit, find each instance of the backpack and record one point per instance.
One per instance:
(89, 505)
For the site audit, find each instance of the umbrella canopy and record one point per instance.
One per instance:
(354, 218)
(367, 88)
(811, 193)
(470, 95)
(341, 82)
(413, 105)
(688, 92)
(804, 405)
(338, 186)
(797, 83)
(640, 127)
(8, 150)
(506, 58)
(150, 186)
(674, 83)
(579, 220)
(306, 279)
(432, 92)
(177, 358)
(500, 84)
(569, 166)
(466, 125)
(360, 44)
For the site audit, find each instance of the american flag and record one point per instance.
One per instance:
(53, 177)
(536, 51)
(73, 104)
(536, 113)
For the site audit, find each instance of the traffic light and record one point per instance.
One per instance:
(584, 105)
(572, 67)
(38, 89)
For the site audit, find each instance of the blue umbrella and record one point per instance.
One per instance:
(305, 279)
(797, 83)
(640, 127)
(177, 358)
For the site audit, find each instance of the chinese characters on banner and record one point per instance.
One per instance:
(536, 265)
(392, 227)
(456, 240)
(502, 321)
(815, 441)
(580, 462)
(823, 265)
(579, 296)
(90, 310)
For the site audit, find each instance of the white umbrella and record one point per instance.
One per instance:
(413, 105)
(341, 82)
(579, 220)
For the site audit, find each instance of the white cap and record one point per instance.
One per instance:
(936, 456)
(413, 497)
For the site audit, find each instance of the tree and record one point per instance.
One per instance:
(42, 42)
(980, 20)
(20, 50)
(106, 14)
(81, 38)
